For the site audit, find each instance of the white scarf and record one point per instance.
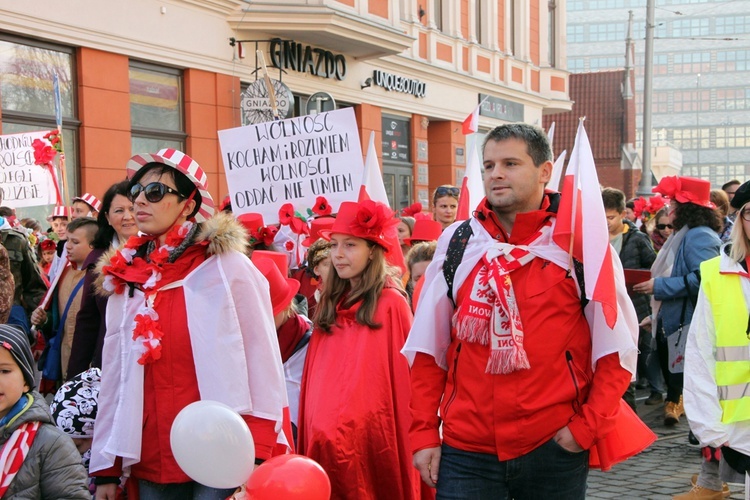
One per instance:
(662, 267)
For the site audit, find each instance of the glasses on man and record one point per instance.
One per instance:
(153, 192)
(447, 191)
(745, 214)
(662, 227)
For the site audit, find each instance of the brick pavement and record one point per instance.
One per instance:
(661, 471)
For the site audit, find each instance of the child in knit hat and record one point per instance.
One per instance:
(36, 459)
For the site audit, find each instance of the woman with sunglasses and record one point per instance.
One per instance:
(717, 354)
(662, 228)
(189, 318)
(116, 222)
(445, 204)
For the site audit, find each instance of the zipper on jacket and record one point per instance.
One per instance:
(454, 378)
(576, 403)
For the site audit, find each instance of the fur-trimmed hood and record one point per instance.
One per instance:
(222, 232)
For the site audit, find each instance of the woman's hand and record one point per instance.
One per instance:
(647, 287)
(646, 323)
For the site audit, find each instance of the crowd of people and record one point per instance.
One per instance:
(410, 354)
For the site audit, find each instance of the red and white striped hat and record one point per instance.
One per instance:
(182, 163)
(90, 200)
(61, 211)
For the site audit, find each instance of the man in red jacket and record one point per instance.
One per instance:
(521, 389)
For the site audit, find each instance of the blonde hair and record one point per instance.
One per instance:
(739, 238)
(423, 251)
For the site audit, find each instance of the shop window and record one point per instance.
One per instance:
(27, 99)
(156, 108)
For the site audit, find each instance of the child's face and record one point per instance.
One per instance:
(78, 245)
(47, 256)
(60, 227)
(350, 256)
(12, 384)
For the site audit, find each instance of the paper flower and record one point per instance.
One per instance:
(322, 207)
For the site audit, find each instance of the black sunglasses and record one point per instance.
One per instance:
(662, 227)
(153, 191)
(447, 191)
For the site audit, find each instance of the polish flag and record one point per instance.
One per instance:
(581, 227)
(557, 169)
(551, 134)
(471, 123)
(472, 188)
(372, 187)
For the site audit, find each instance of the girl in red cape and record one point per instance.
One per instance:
(354, 404)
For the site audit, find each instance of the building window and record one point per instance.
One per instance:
(607, 32)
(576, 64)
(692, 62)
(731, 25)
(599, 63)
(28, 103)
(691, 101)
(733, 60)
(731, 99)
(575, 33)
(733, 136)
(156, 108)
(686, 28)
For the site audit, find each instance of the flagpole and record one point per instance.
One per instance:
(269, 85)
(58, 122)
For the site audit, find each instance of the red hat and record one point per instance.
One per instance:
(282, 289)
(316, 226)
(182, 163)
(47, 244)
(686, 190)
(280, 259)
(252, 221)
(370, 220)
(425, 230)
(90, 200)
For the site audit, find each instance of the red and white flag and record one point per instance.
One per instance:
(581, 227)
(372, 187)
(557, 169)
(471, 123)
(472, 188)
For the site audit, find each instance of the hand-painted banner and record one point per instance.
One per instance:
(24, 184)
(293, 161)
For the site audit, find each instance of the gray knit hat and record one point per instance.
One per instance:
(14, 339)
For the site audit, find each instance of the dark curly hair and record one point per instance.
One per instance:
(692, 215)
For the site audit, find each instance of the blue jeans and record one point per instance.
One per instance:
(547, 472)
(180, 491)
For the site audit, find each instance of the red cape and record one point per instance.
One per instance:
(354, 406)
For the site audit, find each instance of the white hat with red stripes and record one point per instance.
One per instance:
(90, 200)
(60, 211)
(182, 163)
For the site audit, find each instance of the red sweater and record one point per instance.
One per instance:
(511, 415)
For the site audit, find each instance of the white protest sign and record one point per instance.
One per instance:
(293, 161)
(24, 184)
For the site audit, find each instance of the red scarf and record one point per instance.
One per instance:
(14, 452)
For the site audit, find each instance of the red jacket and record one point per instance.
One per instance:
(511, 415)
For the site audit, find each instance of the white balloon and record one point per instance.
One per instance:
(213, 445)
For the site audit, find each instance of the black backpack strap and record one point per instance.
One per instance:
(578, 269)
(455, 254)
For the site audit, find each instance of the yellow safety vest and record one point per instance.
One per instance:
(724, 293)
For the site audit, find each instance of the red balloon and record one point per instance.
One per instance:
(289, 477)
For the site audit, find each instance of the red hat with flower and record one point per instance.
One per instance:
(47, 245)
(370, 220)
(256, 228)
(686, 190)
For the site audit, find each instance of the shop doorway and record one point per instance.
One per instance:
(398, 170)
(399, 185)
